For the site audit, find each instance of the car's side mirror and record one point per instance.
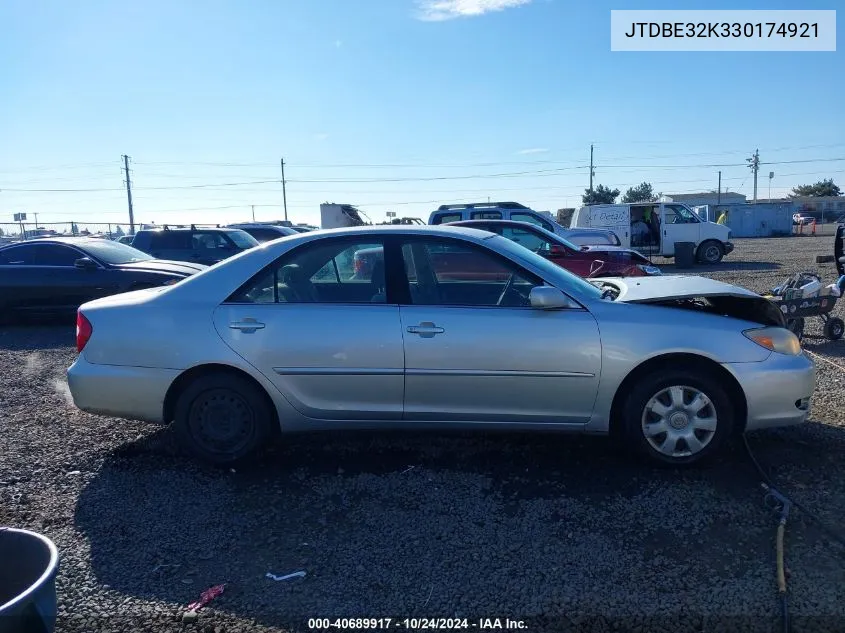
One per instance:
(85, 263)
(548, 298)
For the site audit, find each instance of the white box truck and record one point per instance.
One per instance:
(336, 216)
(653, 228)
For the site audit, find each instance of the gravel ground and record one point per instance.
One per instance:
(558, 532)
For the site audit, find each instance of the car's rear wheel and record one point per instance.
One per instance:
(834, 328)
(678, 417)
(223, 418)
(710, 252)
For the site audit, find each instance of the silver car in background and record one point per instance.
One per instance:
(454, 327)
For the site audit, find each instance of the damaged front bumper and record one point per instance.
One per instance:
(777, 390)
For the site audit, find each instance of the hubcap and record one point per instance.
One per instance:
(221, 421)
(712, 253)
(679, 421)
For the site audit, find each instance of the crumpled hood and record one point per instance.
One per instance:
(644, 289)
(697, 293)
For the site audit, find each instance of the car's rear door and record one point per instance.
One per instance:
(332, 345)
(171, 245)
(475, 352)
(21, 280)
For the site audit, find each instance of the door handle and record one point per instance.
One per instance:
(426, 329)
(247, 326)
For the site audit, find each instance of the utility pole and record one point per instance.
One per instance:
(284, 193)
(36, 220)
(592, 171)
(253, 212)
(754, 165)
(129, 195)
(719, 194)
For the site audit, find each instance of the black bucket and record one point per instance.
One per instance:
(684, 254)
(28, 566)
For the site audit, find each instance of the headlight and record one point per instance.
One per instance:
(776, 339)
(649, 270)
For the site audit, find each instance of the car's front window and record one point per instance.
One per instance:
(682, 215)
(114, 252)
(561, 277)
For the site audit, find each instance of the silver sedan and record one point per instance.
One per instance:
(437, 327)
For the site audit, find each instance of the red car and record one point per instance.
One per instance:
(584, 261)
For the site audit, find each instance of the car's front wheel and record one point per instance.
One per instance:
(678, 417)
(710, 252)
(223, 418)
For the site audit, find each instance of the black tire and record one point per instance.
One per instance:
(796, 326)
(718, 412)
(241, 425)
(710, 252)
(834, 328)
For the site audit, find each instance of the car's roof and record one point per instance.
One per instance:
(259, 225)
(174, 229)
(471, 223)
(406, 229)
(76, 240)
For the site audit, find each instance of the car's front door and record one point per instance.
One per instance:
(59, 286)
(208, 247)
(476, 352)
(324, 335)
(679, 225)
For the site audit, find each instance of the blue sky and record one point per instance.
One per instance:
(419, 111)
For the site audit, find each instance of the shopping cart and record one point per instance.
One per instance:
(790, 299)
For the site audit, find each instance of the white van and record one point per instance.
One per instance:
(520, 213)
(671, 222)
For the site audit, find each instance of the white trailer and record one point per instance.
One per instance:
(336, 216)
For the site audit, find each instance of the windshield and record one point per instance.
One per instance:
(242, 239)
(114, 252)
(565, 280)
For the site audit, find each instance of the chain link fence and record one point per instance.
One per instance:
(18, 231)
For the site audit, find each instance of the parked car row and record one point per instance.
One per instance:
(43, 272)
(450, 326)
(651, 228)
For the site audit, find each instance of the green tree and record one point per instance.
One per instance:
(640, 193)
(600, 195)
(818, 190)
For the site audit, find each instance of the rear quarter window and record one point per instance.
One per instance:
(170, 240)
(443, 218)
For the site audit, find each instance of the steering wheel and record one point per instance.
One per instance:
(507, 289)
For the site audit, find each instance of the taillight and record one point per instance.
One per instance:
(83, 331)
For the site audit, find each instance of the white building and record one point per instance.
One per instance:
(706, 197)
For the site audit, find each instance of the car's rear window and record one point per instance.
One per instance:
(443, 218)
(242, 239)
